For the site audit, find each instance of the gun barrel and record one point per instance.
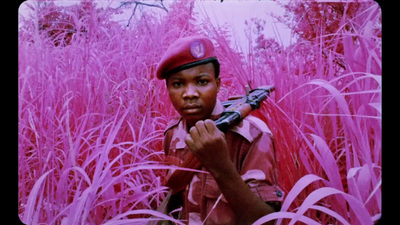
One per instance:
(269, 88)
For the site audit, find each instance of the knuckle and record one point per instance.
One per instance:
(199, 123)
(208, 121)
(192, 130)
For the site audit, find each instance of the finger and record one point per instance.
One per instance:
(210, 126)
(194, 133)
(189, 141)
(201, 128)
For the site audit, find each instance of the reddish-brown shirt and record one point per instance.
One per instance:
(252, 151)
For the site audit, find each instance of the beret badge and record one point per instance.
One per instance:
(197, 49)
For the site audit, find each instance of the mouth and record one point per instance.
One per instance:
(192, 108)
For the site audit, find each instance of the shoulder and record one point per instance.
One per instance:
(172, 124)
(258, 124)
(251, 127)
(172, 135)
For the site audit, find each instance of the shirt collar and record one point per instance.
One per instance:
(218, 109)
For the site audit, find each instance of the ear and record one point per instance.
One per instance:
(218, 80)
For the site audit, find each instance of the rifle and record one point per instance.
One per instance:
(236, 110)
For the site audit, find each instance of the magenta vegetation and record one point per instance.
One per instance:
(92, 114)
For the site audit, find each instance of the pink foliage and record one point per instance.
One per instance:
(92, 114)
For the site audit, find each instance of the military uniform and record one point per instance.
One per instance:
(249, 143)
(252, 152)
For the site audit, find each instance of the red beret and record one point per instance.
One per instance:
(185, 53)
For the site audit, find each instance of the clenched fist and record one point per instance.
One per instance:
(209, 146)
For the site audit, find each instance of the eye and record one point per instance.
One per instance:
(203, 82)
(177, 84)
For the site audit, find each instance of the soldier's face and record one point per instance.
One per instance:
(193, 92)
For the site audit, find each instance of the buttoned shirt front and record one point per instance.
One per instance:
(251, 150)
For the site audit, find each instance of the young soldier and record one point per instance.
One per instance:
(239, 164)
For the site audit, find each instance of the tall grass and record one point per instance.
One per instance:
(92, 114)
(91, 117)
(327, 122)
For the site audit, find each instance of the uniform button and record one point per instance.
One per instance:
(279, 193)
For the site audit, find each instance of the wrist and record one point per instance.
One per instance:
(223, 170)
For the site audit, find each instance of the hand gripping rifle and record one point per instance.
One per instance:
(236, 110)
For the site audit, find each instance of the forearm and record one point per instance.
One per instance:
(245, 204)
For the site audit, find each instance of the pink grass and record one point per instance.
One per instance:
(92, 114)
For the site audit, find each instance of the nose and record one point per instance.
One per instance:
(190, 92)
